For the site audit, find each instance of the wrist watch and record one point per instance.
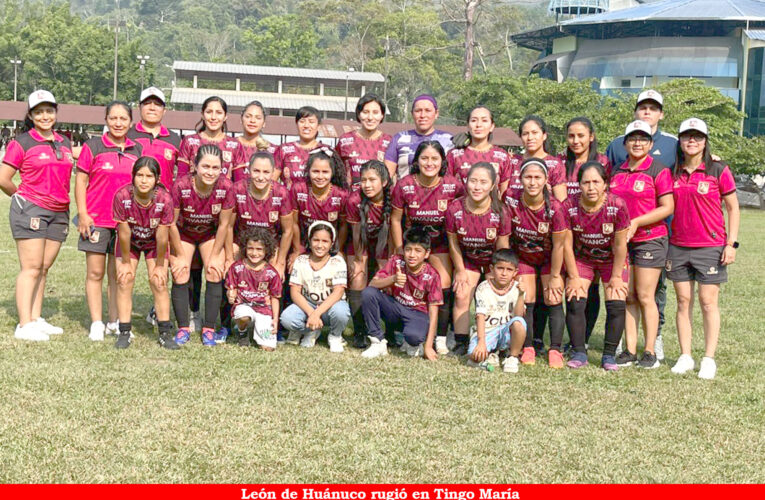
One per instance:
(734, 244)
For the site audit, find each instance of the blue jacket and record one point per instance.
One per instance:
(664, 149)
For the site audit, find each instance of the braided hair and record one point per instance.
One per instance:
(382, 236)
(208, 149)
(528, 162)
(593, 150)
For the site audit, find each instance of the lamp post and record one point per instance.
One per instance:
(15, 63)
(347, 76)
(142, 60)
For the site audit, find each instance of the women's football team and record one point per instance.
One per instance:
(397, 237)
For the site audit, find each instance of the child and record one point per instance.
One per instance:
(411, 299)
(254, 289)
(499, 306)
(317, 289)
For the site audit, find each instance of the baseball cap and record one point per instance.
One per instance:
(694, 124)
(39, 97)
(638, 126)
(650, 95)
(152, 92)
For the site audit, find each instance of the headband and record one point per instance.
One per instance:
(322, 223)
(536, 162)
(425, 97)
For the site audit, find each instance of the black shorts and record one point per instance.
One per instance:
(30, 221)
(102, 240)
(651, 253)
(700, 264)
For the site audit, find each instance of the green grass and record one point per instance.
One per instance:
(77, 411)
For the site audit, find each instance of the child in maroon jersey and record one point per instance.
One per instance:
(368, 213)
(143, 211)
(700, 249)
(357, 147)
(323, 197)
(423, 197)
(538, 237)
(406, 293)
(292, 157)
(211, 129)
(476, 225)
(480, 149)
(599, 221)
(254, 288)
(262, 202)
(251, 140)
(645, 185)
(204, 206)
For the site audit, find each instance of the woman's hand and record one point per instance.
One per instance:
(159, 276)
(728, 255)
(575, 289)
(314, 322)
(231, 295)
(84, 224)
(215, 268)
(460, 281)
(480, 353)
(179, 269)
(280, 266)
(617, 287)
(124, 272)
(632, 229)
(554, 289)
(430, 353)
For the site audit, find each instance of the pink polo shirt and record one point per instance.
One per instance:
(108, 168)
(45, 177)
(641, 189)
(164, 148)
(698, 220)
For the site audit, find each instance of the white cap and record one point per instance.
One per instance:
(650, 95)
(152, 92)
(638, 126)
(694, 124)
(39, 97)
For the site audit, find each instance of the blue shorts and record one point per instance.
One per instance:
(496, 338)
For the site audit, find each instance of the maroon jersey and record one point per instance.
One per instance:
(254, 288)
(355, 151)
(477, 233)
(198, 218)
(164, 148)
(242, 170)
(594, 232)
(251, 212)
(310, 209)
(420, 290)
(229, 146)
(532, 229)
(427, 206)
(143, 220)
(572, 182)
(291, 159)
(460, 160)
(556, 172)
(374, 222)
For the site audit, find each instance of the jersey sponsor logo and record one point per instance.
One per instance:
(44, 156)
(216, 208)
(288, 149)
(703, 187)
(353, 154)
(608, 227)
(712, 270)
(332, 216)
(127, 203)
(462, 230)
(34, 223)
(153, 223)
(245, 215)
(578, 228)
(491, 233)
(443, 205)
(302, 197)
(543, 227)
(108, 166)
(346, 140)
(188, 208)
(220, 193)
(263, 286)
(404, 139)
(418, 294)
(408, 189)
(193, 141)
(273, 216)
(516, 220)
(185, 193)
(450, 188)
(241, 198)
(639, 186)
(414, 204)
(648, 256)
(159, 207)
(306, 213)
(168, 154)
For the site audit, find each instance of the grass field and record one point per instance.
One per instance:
(77, 411)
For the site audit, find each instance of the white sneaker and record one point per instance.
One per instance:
(195, 323)
(97, 330)
(708, 368)
(658, 348)
(46, 327)
(510, 365)
(493, 359)
(112, 328)
(412, 350)
(684, 364)
(309, 339)
(335, 343)
(441, 346)
(294, 338)
(31, 331)
(376, 348)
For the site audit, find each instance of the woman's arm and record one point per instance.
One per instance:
(80, 195)
(734, 218)
(6, 179)
(296, 293)
(665, 208)
(396, 231)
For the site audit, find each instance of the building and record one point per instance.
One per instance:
(721, 42)
(282, 90)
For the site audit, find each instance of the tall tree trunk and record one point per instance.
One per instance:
(470, 8)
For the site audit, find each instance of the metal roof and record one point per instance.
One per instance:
(270, 100)
(680, 10)
(755, 34)
(278, 71)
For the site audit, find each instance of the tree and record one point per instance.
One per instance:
(288, 40)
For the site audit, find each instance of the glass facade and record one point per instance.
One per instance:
(754, 104)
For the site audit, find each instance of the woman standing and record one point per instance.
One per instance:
(252, 140)
(700, 249)
(476, 225)
(291, 157)
(646, 186)
(422, 198)
(536, 144)
(105, 165)
(357, 147)
(39, 216)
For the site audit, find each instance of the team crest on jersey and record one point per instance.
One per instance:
(380, 155)
(216, 208)
(491, 233)
(273, 216)
(418, 294)
(703, 187)
(328, 282)
(227, 156)
(153, 223)
(34, 223)
(263, 286)
(639, 186)
(332, 216)
(443, 205)
(168, 154)
(608, 227)
(543, 227)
